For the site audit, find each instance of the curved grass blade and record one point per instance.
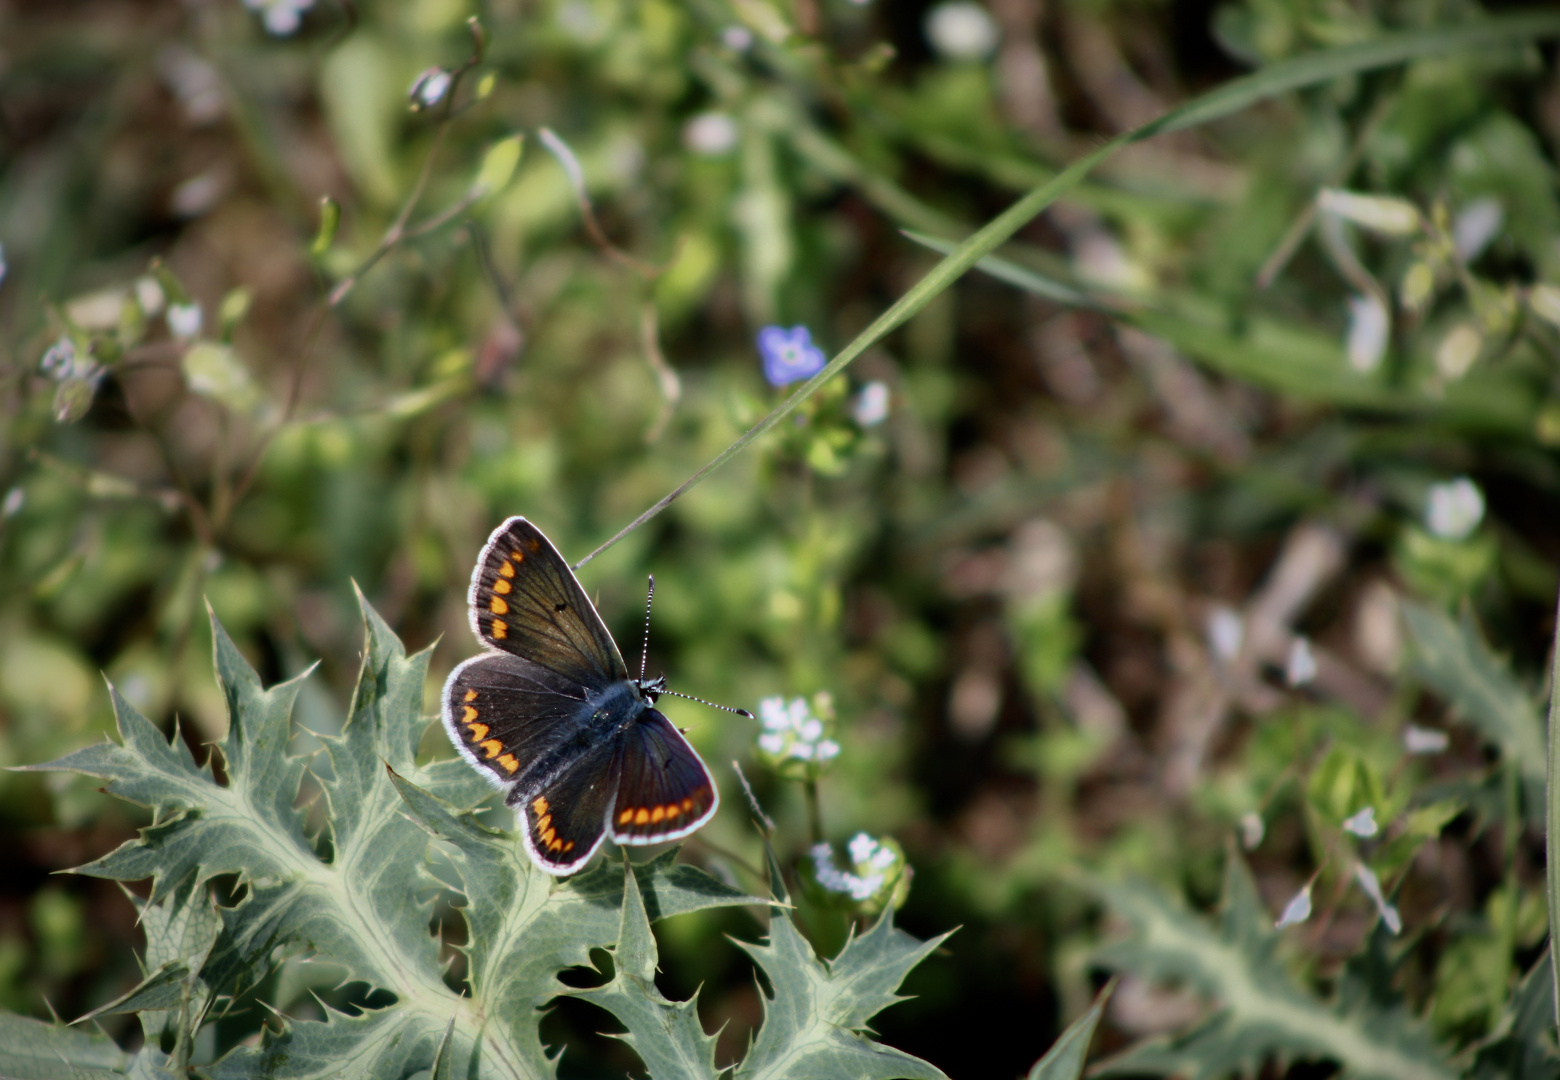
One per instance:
(1552, 815)
(1271, 81)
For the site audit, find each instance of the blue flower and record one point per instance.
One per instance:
(789, 355)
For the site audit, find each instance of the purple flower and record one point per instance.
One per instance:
(789, 355)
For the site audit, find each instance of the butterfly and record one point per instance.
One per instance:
(550, 716)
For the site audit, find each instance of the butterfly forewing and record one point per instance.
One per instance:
(527, 602)
(503, 711)
(664, 790)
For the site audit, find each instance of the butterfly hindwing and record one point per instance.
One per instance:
(502, 712)
(526, 602)
(564, 822)
(664, 790)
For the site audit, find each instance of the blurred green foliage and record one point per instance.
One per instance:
(1120, 576)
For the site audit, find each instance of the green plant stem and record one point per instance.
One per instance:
(1232, 97)
(1552, 814)
(814, 814)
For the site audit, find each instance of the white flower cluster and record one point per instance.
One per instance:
(871, 863)
(792, 733)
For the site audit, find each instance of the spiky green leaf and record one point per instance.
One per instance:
(665, 1034)
(814, 1019)
(1064, 1061)
(1453, 659)
(1261, 1013)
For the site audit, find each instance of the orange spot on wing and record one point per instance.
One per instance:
(471, 695)
(469, 715)
(518, 556)
(673, 810)
(478, 732)
(506, 568)
(539, 806)
(547, 835)
(545, 823)
(569, 846)
(502, 586)
(500, 629)
(687, 805)
(657, 815)
(498, 606)
(626, 816)
(493, 748)
(508, 761)
(642, 816)
(555, 845)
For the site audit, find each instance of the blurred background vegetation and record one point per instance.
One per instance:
(1113, 587)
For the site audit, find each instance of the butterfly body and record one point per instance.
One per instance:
(549, 714)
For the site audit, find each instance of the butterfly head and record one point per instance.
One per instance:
(650, 689)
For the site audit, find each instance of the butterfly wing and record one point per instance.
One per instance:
(664, 790)
(503, 712)
(565, 821)
(525, 601)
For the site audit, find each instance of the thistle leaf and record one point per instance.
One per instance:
(34, 1050)
(814, 1018)
(1262, 1013)
(1064, 1061)
(1453, 659)
(665, 1034)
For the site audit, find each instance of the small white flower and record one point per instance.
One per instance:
(870, 406)
(149, 294)
(802, 751)
(184, 320)
(1300, 668)
(828, 750)
(771, 742)
(1418, 740)
(1226, 631)
(737, 38)
(1363, 824)
(1252, 830)
(1370, 326)
(1372, 886)
(1476, 225)
(281, 17)
(1298, 910)
(14, 500)
(429, 88)
(811, 729)
(711, 134)
(1454, 509)
(861, 847)
(961, 30)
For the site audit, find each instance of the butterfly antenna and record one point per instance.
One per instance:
(644, 655)
(711, 704)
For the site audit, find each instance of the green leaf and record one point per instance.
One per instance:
(1064, 1061)
(1261, 1012)
(32, 1049)
(666, 1035)
(1454, 660)
(814, 1017)
(498, 165)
